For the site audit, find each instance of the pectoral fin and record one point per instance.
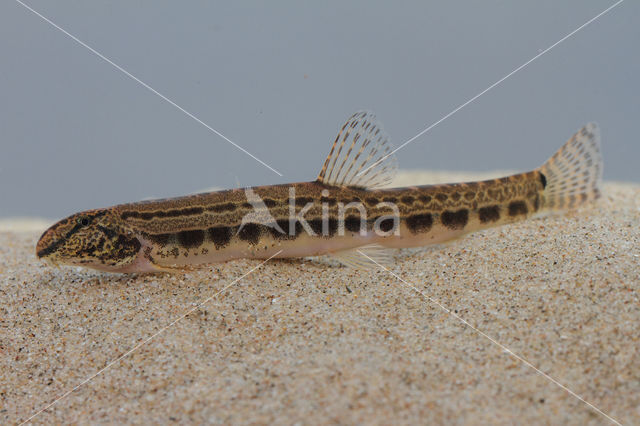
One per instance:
(371, 257)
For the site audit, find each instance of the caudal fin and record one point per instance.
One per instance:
(574, 173)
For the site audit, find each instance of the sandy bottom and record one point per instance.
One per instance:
(301, 341)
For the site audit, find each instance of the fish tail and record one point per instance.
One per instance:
(573, 175)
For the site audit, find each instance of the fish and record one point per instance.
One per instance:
(348, 212)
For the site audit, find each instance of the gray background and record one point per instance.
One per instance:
(280, 78)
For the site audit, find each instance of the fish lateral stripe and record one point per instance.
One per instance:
(191, 211)
(224, 207)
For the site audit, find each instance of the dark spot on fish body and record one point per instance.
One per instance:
(420, 222)
(371, 201)
(283, 224)
(543, 180)
(489, 214)
(441, 197)
(518, 208)
(352, 224)
(269, 202)
(315, 225)
(160, 239)
(250, 232)
(455, 220)
(286, 225)
(387, 224)
(469, 195)
(407, 199)
(455, 196)
(425, 198)
(390, 199)
(192, 238)
(220, 235)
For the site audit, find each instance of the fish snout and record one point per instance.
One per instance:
(48, 242)
(45, 241)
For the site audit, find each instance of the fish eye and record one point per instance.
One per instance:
(84, 221)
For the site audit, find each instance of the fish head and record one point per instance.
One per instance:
(95, 239)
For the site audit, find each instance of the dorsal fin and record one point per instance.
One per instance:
(361, 155)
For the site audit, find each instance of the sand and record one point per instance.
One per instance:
(304, 342)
